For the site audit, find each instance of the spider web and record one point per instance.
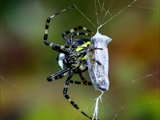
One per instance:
(134, 61)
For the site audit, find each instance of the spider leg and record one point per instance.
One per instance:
(84, 81)
(58, 48)
(65, 90)
(54, 46)
(64, 35)
(84, 40)
(76, 29)
(59, 74)
(80, 33)
(76, 82)
(81, 82)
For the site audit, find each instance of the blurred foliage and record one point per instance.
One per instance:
(26, 61)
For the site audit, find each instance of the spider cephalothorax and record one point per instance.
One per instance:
(71, 60)
(76, 57)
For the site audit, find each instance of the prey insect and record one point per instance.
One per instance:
(97, 61)
(71, 58)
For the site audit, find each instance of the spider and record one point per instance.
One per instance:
(71, 58)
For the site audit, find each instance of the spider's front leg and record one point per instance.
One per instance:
(45, 37)
(58, 48)
(73, 32)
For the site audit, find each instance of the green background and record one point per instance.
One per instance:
(26, 62)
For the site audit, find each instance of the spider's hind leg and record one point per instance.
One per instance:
(65, 90)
